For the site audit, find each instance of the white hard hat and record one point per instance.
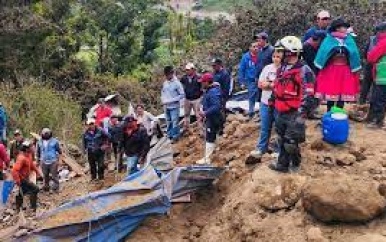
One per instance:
(292, 44)
(190, 66)
(90, 121)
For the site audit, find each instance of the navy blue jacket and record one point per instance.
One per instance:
(93, 142)
(211, 101)
(264, 57)
(224, 79)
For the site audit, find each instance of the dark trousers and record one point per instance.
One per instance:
(291, 130)
(377, 104)
(366, 84)
(1, 175)
(213, 126)
(52, 169)
(330, 104)
(27, 188)
(97, 166)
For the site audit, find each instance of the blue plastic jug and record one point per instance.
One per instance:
(335, 128)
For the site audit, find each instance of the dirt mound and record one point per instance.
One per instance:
(342, 198)
(257, 204)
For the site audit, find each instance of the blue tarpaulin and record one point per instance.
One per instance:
(112, 214)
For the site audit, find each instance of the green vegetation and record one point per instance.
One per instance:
(34, 107)
(226, 5)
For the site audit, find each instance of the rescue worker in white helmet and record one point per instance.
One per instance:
(292, 90)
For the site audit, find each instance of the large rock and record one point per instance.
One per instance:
(275, 193)
(342, 198)
(370, 238)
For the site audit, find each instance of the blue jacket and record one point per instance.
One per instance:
(50, 153)
(93, 142)
(223, 78)
(310, 32)
(250, 71)
(3, 118)
(211, 101)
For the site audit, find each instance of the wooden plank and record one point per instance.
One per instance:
(74, 166)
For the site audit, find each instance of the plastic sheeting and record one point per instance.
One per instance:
(112, 214)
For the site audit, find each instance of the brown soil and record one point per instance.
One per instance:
(234, 208)
(230, 211)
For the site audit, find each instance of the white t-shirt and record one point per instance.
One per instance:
(267, 74)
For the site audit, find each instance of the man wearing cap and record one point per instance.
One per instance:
(171, 95)
(95, 141)
(48, 156)
(264, 56)
(323, 19)
(135, 144)
(16, 144)
(222, 77)
(211, 114)
(193, 94)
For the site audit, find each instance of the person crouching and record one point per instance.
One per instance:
(211, 114)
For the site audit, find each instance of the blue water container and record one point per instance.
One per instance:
(335, 128)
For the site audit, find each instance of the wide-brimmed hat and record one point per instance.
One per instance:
(337, 23)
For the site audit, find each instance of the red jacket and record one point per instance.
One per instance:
(23, 167)
(4, 157)
(377, 51)
(101, 113)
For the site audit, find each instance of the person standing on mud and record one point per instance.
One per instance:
(211, 114)
(193, 94)
(21, 171)
(48, 156)
(95, 142)
(247, 76)
(267, 111)
(135, 144)
(293, 87)
(222, 77)
(377, 58)
(171, 95)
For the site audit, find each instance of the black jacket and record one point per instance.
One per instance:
(192, 87)
(309, 54)
(136, 144)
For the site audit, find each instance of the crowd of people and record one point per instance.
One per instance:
(289, 80)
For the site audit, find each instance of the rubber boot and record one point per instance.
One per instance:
(209, 148)
(33, 201)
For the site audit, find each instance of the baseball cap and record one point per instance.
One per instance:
(190, 66)
(216, 61)
(380, 27)
(90, 121)
(323, 14)
(46, 131)
(17, 131)
(261, 35)
(129, 118)
(206, 77)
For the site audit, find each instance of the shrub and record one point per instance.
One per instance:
(34, 107)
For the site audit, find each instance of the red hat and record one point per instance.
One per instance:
(207, 77)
